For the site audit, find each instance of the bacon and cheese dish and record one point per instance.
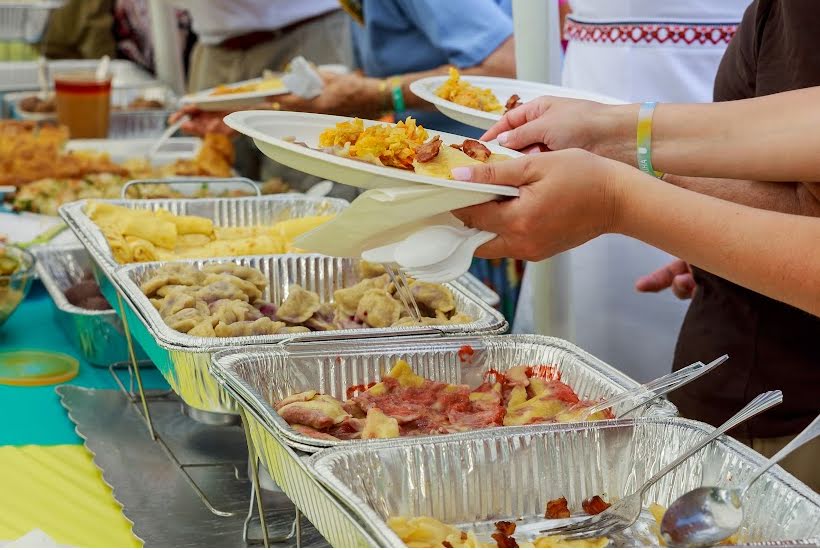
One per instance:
(404, 145)
(406, 404)
(427, 532)
(465, 94)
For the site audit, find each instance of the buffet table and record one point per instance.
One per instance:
(49, 479)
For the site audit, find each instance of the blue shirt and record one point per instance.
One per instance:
(403, 36)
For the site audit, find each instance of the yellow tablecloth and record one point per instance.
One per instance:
(58, 489)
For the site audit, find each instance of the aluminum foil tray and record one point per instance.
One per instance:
(472, 479)
(98, 335)
(124, 124)
(265, 375)
(290, 472)
(225, 212)
(474, 285)
(185, 360)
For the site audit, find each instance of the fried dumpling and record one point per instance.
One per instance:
(250, 274)
(176, 301)
(185, 319)
(262, 326)
(204, 329)
(347, 299)
(249, 289)
(299, 306)
(378, 309)
(220, 290)
(232, 311)
(433, 297)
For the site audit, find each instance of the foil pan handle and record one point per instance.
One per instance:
(189, 181)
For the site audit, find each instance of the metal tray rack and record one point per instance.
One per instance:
(98, 335)
(479, 479)
(185, 360)
(262, 376)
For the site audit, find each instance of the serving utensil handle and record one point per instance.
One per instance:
(756, 406)
(811, 431)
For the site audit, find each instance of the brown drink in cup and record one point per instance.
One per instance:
(83, 104)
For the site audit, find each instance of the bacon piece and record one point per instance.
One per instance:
(557, 509)
(595, 505)
(455, 146)
(475, 149)
(428, 151)
(463, 536)
(506, 528)
(513, 102)
(352, 390)
(503, 534)
(446, 544)
(465, 353)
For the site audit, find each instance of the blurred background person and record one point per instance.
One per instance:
(633, 50)
(81, 29)
(132, 32)
(238, 40)
(396, 42)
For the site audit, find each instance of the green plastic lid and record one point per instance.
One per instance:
(36, 368)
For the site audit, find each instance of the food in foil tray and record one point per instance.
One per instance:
(404, 145)
(86, 294)
(428, 532)
(406, 404)
(137, 235)
(463, 93)
(33, 158)
(39, 105)
(228, 300)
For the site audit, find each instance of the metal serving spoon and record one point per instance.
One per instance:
(707, 515)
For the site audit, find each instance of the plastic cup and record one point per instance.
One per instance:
(83, 104)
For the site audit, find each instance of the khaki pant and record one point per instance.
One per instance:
(804, 463)
(325, 40)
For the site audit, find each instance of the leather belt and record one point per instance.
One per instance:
(252, 39)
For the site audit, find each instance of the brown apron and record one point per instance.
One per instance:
(771, 345)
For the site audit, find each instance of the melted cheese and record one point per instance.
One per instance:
(535, 409)
(402, 372)
(441, 166)
(379, 426)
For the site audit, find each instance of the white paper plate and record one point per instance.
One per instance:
(121, 150)
(503, 88)
(268, 128)
(229, 102)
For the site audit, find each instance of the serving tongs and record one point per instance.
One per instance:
(653, 390)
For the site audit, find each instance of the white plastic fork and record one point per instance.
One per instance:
(623, 513)
(457, 263)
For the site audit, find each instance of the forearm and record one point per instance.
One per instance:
(771, 138)
(788, 197)
(772, 253)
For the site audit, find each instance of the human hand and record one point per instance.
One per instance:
(560, 123)
(343, 94)
(202, 122)
(677, 275)
(566, 198)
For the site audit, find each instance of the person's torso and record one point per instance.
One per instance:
(215, 21)
(638, 50)
(391, 43)
(771, 345)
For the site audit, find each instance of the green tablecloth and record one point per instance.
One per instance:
(33, 415)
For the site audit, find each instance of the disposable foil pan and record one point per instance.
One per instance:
(225, 212)
(98, 335)
(470, 480)
(265, 375)
(474, 285)
(125, 123)
(288, 469)
(185, 360)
